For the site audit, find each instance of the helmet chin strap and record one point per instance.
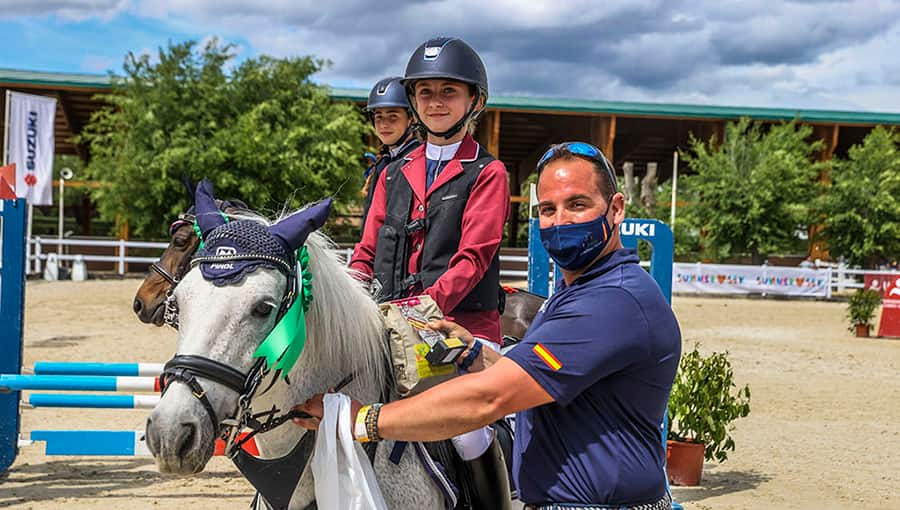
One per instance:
(455, 128)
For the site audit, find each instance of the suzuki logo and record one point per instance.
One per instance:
(639, 229)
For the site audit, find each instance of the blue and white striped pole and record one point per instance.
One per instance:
(15, 382)
(118, 369)
(126, 443)
(93, 401)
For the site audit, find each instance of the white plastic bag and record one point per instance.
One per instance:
(344, 479)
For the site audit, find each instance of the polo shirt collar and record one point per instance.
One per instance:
(606, 263)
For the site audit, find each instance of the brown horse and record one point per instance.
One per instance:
(173, 264)
(521, 305)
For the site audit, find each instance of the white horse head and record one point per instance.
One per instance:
(224, 315)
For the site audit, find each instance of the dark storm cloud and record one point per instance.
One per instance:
(680, 50)
(799, 33)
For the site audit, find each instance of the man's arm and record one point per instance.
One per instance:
(482, 232)
(451, 408)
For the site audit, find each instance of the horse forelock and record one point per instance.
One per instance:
(344, 325)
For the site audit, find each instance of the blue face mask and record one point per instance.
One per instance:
(576, 245)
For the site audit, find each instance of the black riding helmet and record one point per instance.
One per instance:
(451, 58)
(388, 93)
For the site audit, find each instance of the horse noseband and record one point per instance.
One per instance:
(186, 368)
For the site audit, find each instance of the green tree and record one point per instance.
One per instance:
(687, 235)
(861, 209)
(752, 192)
(263, 132)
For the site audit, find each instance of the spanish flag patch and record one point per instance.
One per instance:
(547, 357)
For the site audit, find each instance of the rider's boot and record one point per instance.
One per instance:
(490, 480)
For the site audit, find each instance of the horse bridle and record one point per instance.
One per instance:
(187, 368)
(170, 310)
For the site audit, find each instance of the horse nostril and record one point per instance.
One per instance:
(189, 432)
(138, 306)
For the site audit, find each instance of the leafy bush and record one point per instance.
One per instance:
(702, 406)
(861, 307)
(261, 130)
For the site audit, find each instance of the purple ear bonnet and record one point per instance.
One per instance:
(234, 249)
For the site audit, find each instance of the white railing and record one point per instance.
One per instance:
(842, 277)
(39, 254)
(513, 274)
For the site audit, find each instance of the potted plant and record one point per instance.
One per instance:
(702, 407)
(861, 310)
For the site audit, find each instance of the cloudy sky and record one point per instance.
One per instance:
(802, 53)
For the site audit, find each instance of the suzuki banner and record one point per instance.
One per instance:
(734, 279)
(30, 145)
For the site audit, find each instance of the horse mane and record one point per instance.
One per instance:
(344, 326)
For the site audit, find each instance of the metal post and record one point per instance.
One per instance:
(64, 175)
(674, 188)
(38, 252)
(28, 236)
(121, 256)
(62, 202)
(6, 130)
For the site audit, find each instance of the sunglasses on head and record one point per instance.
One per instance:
(584, 150)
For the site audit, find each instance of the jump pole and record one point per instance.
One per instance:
(115, 369)
(17, 382)
(123, 443)
(88, 401)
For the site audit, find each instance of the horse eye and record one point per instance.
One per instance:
(263, 309)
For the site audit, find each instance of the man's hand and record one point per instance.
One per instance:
(486, 357)
(315, 407)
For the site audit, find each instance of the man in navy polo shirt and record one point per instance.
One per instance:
(605, 347)
(591, 378)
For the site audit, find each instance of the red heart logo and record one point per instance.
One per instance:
(721, 278)
(800, 281)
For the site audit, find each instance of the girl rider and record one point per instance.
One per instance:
(389, 111)
(437, 215)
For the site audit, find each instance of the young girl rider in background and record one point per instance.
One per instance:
(392, 118)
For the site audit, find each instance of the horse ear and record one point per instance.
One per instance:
(189, 187)
(208, 215)
(294, 229)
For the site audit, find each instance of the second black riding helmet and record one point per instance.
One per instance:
(388, 93)
(453, 59)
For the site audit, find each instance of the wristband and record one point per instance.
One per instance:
(470, 358)
(360, 432)
(372, 422)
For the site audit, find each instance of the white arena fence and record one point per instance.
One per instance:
(840, 277)
(40, 248)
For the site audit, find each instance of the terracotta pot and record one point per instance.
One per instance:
(862, 330)
(684, 462)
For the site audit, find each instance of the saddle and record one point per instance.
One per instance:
(484, 483)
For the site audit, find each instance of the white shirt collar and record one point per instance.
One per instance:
(441, 152)
(396, 150)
